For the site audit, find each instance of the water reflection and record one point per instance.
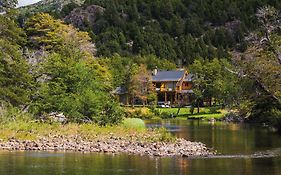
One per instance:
(96, 164)
(245, 150)
(226, 138)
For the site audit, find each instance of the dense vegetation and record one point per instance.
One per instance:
(180, 30)
(49, 67)
(232, 48)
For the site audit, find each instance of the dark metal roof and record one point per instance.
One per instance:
(168, 76)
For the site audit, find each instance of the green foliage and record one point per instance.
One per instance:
(139, 112)
(32, 130)
(8, 113)
(204, 112)
(265, 110)
(67, 78)
(15, 81)
(77, 88)
(139, 84)
(121, 67)
(7, 4)
(166, 135)
(56, 8)
(179, 30)
(275, 117)
(262, 65)
(53, 35)
(10, 31)
(66, 9)
(191, 110)
(214, 80)
(134, 123)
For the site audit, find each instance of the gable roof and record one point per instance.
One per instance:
(168, 76)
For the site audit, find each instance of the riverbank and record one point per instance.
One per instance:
(205, 113)
(32, 136)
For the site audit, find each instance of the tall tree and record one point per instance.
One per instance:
(45, 31)
(140, 86)
(262, 59)
(15, 81)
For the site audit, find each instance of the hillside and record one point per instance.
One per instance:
(48, 65)
(180, 30)
(49, 6)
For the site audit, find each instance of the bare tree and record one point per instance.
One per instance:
(270, 21)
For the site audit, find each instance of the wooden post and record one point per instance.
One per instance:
(175, 102)
(127, 99)
(165, 97)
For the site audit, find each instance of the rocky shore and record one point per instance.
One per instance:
(114, 145)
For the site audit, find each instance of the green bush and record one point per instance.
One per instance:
(142, 113)
(135, 123)
(79, 89)
(166, 135)
(9, 113)
(274, 116)
(214, 110)
(156, 111)
(191, 110)
(163, 114)
(166, 115)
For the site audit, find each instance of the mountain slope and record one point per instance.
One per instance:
(50, 6)
(180, 30)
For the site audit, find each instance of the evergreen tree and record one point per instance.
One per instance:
(15, 81)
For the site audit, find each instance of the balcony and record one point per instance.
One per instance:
(164, 89)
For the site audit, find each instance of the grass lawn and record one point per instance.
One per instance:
(128, 129)
(209, 116)
(205, 112)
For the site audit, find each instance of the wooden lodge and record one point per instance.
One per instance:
(173, 87)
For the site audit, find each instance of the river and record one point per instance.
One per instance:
(242, 149)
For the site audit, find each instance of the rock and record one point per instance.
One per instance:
(232, 117)
(180, 147)
(81, 16)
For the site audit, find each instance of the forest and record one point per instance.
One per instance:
(178, 30)
(59, 61)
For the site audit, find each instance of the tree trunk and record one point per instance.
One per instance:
(198, 107)
(279, 57)
(132, 101)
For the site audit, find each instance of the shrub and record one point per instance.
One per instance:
(214, 110)
(79, 89)
(9, 113)
(166, 135)
(135, 123)
(166, 115)
(274, 116)
(143, 113)
(191, 110)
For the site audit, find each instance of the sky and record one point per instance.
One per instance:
(26, 2)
